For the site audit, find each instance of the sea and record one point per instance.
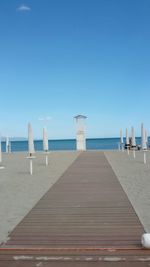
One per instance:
(69, 144)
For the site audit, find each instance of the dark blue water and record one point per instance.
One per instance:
(68, 144)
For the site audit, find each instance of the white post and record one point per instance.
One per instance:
(46, 160)
(127, 150)
(144, 157)
(31, 167)
(133, 153)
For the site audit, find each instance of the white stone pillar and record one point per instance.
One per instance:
(80, 132)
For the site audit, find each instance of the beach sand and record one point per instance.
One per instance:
(20, 191)
(134, 177)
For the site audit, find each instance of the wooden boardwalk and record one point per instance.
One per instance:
(85, 219)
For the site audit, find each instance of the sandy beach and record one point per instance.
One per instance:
(20, 191)
(134, 177)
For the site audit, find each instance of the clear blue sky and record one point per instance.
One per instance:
(60, 58)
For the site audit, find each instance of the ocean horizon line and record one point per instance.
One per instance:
(18, 139)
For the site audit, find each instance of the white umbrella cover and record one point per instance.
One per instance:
(143, 140)
(133, 137)
(30, 140)
(127, 137)
(121, 137)
(146, 137)
(7, 144)
(45, 140)
(0, 152)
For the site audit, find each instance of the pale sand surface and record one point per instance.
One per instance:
(19, 191)
(134, 177)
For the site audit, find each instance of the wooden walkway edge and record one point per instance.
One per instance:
(85, 219)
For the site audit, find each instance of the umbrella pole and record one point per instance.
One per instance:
(30, 157)
(144, 157)
(1, 167)
(31, 167)
(133, 153)
(0, 155)
(46, 160)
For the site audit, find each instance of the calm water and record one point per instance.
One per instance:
(68, 144)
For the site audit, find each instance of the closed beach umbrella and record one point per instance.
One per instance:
(1, 167)
(0, 152)
(7, 144)
(142, 133)
(127, 137)
(30, 140)
(121, 137)
(133, 137)
(146, 137)
(45, 140)
(143, 141)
